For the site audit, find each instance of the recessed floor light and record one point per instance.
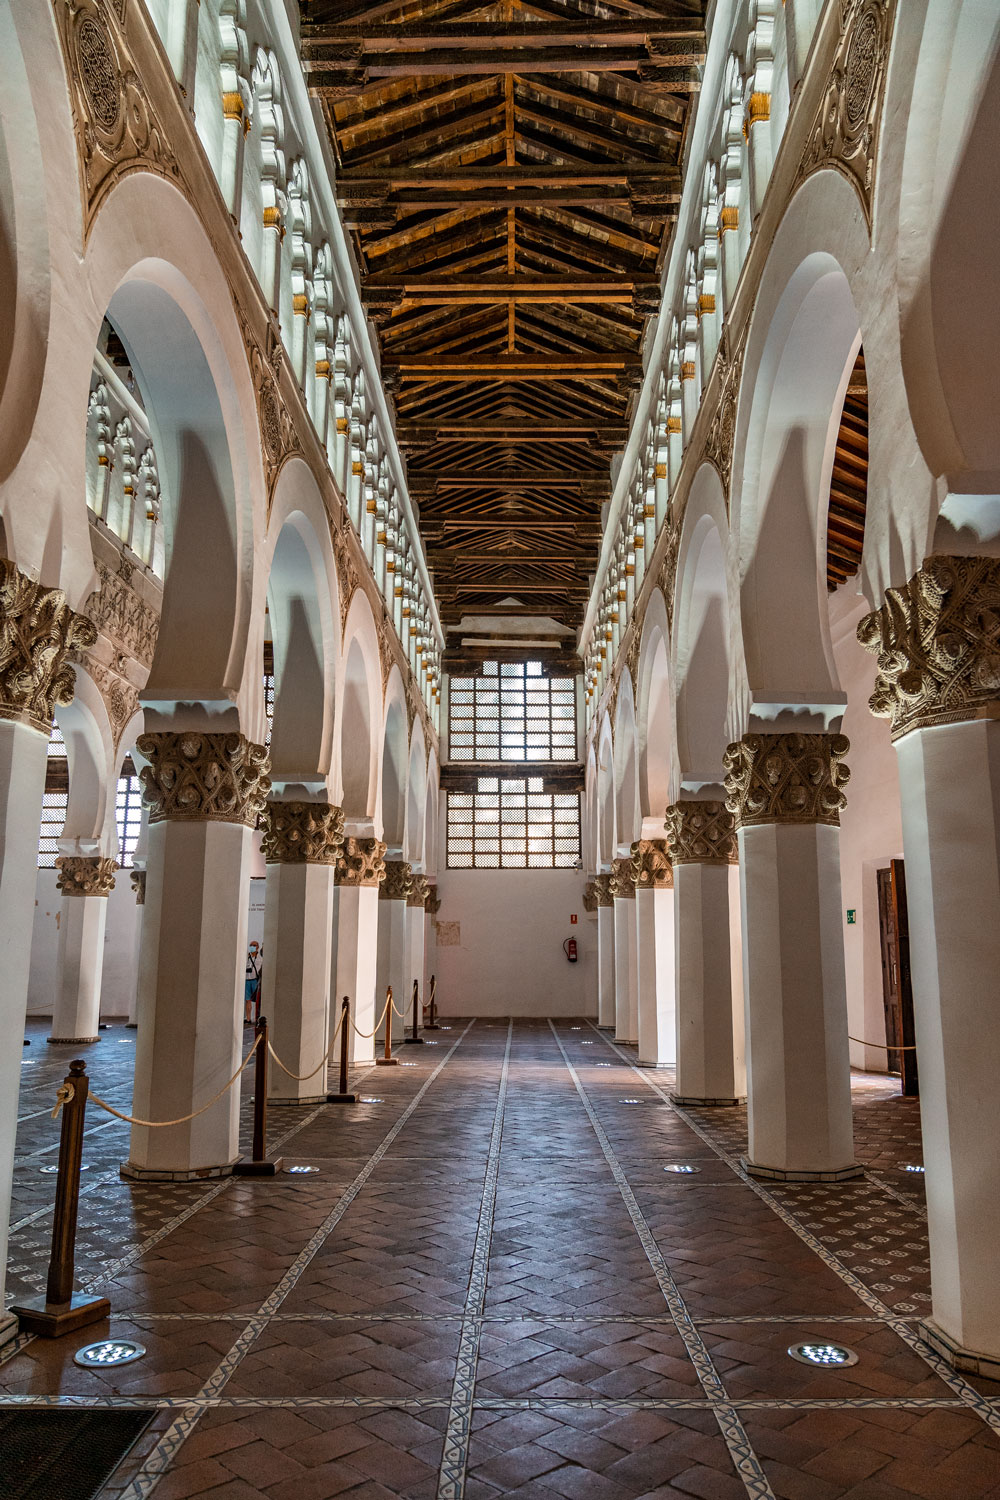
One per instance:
(586, 1044)
(302, 1169)
(828, 1356)
(681, 1167)
(631, 1101)
(576, 1028)
(108, 1352)
(911, 1169)
(84, 1167)
(602, 1065)
(367, 1100)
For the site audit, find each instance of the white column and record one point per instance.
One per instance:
(941, 633)
(137, 877)
(207, 791)
(626, 938)
(393, 955)
(359, 871)
(654, 916)
(415, 921)
(432, 906)
(710, 1062)
(86, 881)
(605, 952)
(785, 792)
(300, 847)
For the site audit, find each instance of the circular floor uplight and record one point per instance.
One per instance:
(302, 1169)
(84, 1167)
(631, 1101)
(108, 1352)
(681, 1166)
(602, 1065)
(827, 1356)
(368, 1099)
(911, 1168)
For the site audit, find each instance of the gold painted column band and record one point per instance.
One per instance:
(203, 778)
(786, 778)
(37, 632)
(701, 833)
(302, 833)
(622, 879)
(85, 875)
(361, 862)
(602, 890)
(937, 642)
(651, 866)
(397, 881)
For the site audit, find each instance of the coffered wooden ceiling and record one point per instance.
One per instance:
(511, 175)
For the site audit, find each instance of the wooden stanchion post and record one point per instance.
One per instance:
(258, 1165)
(432, 1024)
(387, 1060)
(64, 1310)
(415, 1038)
(342, 1096)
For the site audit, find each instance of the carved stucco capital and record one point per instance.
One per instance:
(138, 879)
(651, 866)
(361, 862)
(203, 778)
(418, 892)
(85, 875)
(302, 833)
(590, 896)
(622, 879)
(38, 630)
(432, 905)
(937, 642)
(701, 833)
(602, 890)
(786, 778)
(397, 881)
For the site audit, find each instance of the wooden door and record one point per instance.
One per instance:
(897, 992)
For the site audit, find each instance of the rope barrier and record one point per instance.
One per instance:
(65, 1093)
(910, 1047)
(160, 1124)
(302, 1077)
(369, 1034)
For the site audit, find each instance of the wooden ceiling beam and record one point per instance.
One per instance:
(586, 478)
(321, 39)
(511, 367)
(363, 207)
(544, 431)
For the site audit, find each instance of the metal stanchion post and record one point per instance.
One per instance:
(342, 1096)
(258, 1165)
(415, 1038)
(432, 1024)
(64, 1310)
(388, 1061)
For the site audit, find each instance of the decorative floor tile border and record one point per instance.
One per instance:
(987, 1410)
(455, 1452)
(741, 1452)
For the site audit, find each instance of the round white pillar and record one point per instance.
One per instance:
(626, 977)
(392, 967)
(86, 881)
(360, 868)
(654, 918)
(605, 952)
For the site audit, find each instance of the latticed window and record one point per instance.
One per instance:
(513, 825)
(512, 712)
(268, 690)
(54, 801)
(128, 813)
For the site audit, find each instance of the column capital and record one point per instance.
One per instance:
(651, 865)
(302, 833)
(85, 875)
(138, 879)
(937, 641)
(37, 632)
(602, 890)
(361, 862)
(590, 902)
(622, 879)
(786, 778)
(418, 892)
(433, 903)
(203, 778)
(701, 833)
(397, 882)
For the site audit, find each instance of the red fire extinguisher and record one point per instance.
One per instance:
(569, 948)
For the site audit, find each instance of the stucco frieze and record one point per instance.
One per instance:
(205, 778)
(786, 778)
(651, 865)
(38, 633)
(701, 833)
(397, 881)
(302, 833)
(85, 875)
(602, 890)
(361, 862)
(418, 892)
(622, 879)
(432, 905)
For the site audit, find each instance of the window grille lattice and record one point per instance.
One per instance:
(128, 816)
(512, 713)
(513, 825)
(53, 807)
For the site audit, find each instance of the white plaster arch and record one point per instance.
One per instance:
(627, 815)
(591, 816)
(655, 718)
(416, 797)
(394, 766)
(607, 829)
(431, 806)
(90, 750)
(359, 711)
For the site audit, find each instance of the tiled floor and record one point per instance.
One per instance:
(492, 1287)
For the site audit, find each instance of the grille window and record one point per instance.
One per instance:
(512, 713)
(128, 816)
(54, 801)
(513, 825)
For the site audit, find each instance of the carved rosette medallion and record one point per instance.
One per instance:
(302, 833)
(397, 881)
(85, 875)
(786, 778)
(602, 890)
(845, 131)
(117, 129)
(138, 879)
(651, 865)
(38, 630)
(203, 778)
(590, 897)
(418, 892)
(937, 641)
(361, 862)
(701, 833)
(622, 879)
(432, 904)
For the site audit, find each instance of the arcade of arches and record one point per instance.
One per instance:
(500, 503)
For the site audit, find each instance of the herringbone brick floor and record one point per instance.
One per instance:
(492, 1287)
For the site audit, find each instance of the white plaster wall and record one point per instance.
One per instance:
(510, 959)
(121, 947)
(870, 828)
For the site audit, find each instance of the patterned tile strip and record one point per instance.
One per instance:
(159, 1458)
(740, 1451)
(455, 1453)
(483, 1403)
(966, 1393)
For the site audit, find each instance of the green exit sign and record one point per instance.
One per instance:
(852, 915)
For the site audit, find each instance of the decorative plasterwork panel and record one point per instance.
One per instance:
(121, 697)
(348, 577)
(386, 655)
(120, 614)
(278, 438)
(204, 778)
(845, 133)
(786, 778)
(38, 633)
(722, 431)
(666, 578)
(117, 129)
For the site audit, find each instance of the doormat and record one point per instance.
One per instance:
(63, 1455)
